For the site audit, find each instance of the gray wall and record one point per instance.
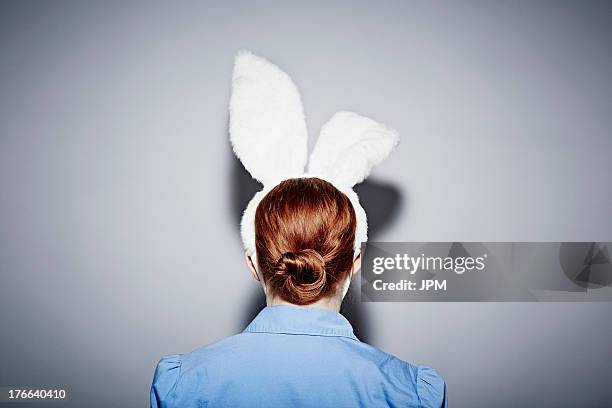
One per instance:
(120, 198)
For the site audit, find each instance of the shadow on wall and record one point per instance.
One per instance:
(380, 201)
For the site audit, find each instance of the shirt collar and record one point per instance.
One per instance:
(314, 321)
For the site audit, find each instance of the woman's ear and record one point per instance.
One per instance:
(251, 266)
(356, 266)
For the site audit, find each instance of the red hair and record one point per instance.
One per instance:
(304, 239)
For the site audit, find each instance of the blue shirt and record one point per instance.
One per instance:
(292, 356)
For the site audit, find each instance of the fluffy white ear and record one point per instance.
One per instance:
(349, 146)
(267, 127)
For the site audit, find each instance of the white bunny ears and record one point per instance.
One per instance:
(268, 134)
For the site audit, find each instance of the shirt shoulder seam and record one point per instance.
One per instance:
(178, 377)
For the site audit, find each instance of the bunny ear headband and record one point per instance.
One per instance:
(268, 134)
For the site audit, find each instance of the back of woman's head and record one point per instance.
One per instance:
(304, 238)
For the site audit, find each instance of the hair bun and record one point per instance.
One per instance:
(302, 274)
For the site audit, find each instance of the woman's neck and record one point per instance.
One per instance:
(331, 303)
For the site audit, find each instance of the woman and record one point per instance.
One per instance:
(302, 236)
(299, 351)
